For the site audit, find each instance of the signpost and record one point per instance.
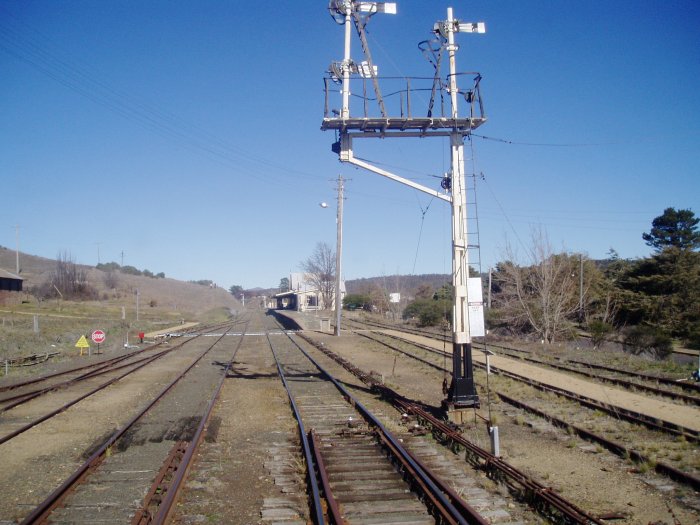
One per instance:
(98, 336)
(82, 344)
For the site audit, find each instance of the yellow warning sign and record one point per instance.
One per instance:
(82, 342)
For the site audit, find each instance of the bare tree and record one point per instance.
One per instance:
(111, 279)
(542, 295)
(320, 272)
(70, 279)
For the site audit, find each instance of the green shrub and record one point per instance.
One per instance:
(354, 301)
(648, 339)
(429, 312)
(599, 331)
(693, 340)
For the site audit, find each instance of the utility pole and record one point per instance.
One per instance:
(339, 256)
(580, 289)
(17, 250)
(488, 303)
(461, 392)
(137, 304)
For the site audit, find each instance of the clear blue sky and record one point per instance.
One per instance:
(187, 134)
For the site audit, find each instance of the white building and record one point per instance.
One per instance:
(303, 295)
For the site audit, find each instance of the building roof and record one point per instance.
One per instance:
(4, 274)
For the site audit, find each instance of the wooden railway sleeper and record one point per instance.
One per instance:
(160, 485)
(556, 505)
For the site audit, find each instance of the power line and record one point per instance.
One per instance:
(81, 80)
(548, 144)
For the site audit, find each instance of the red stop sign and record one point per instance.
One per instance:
(98, 336)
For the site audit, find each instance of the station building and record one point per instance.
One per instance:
(302, 295)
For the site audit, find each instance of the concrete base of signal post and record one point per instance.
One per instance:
(458, 416)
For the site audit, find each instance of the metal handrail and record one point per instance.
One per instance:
(405, 90)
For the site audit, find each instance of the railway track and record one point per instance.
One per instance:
(543, 500)
(360, 469)
(673, 387)
(156, 442)
(633, 416)
(73, 386)
(152, 454)
(623, 450)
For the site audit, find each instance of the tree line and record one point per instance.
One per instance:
(644, 303)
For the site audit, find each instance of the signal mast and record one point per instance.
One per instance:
(443, 120)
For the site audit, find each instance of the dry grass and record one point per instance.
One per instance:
(162, 302)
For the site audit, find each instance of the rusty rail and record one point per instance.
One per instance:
(618, 412)
(616, 448)
(542, 498)
(333, 506)
(316, 506)
(66, 406)
(621, 450)
(154, 497)
(433, 489)
(168, 503)
(41, 513)
(676, 383)
(545, 498)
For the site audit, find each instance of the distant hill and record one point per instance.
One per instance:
(406, 285)
(187, 298)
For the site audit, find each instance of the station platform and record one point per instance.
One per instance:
(307, 320)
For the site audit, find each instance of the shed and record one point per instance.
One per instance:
(10, 282)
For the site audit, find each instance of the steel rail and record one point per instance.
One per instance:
(688, 386)
(333, 506)
(615, 411)
(621, 450)
(464, 508)
(694, 387)
(617, 448)
(159, 486)
(558, 506)
(419, 478)
(695, 400)
(166, 507)
(317, 508)
(541, 496)
(438, 500)
(97, 366)
(618, 412)
(28, 396)
(41, 513)
(66, 406)
(107, 362)
(102, 370)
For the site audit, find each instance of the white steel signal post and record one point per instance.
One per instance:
(436, 120)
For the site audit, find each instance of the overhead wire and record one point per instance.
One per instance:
(547, 144)
(420, 231)
(425, 175)
(18, 44)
